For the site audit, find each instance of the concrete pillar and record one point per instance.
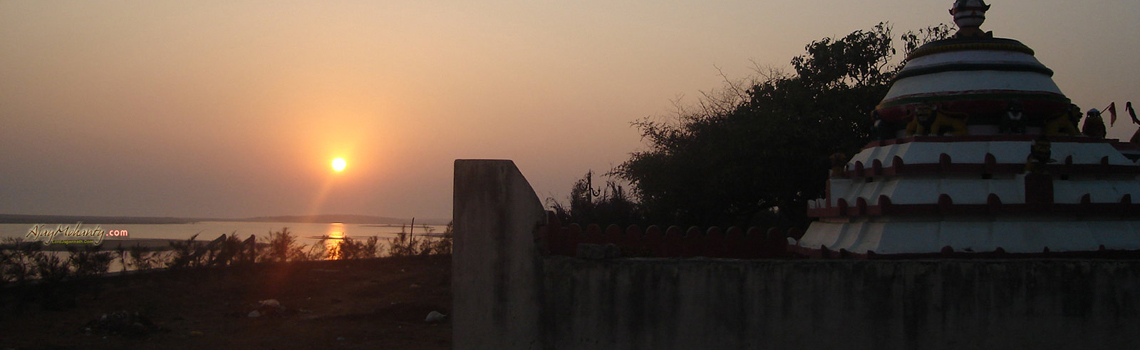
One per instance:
(496, 275)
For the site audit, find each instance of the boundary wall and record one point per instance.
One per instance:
(509, 294)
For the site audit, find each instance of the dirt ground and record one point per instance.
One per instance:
(364, 304)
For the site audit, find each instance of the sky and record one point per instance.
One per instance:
(236, 108)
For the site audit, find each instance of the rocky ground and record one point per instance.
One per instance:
(364, 304)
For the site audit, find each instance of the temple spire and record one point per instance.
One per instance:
(969, 16)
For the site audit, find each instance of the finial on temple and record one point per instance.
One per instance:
(969, 16)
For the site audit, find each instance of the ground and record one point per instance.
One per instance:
(364, 304)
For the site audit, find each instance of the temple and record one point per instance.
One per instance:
(979, 151)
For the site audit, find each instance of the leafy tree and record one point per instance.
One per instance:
(913, 39)
(757, 155)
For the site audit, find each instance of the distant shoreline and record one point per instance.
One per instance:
(71, 219)
(121, 220)
(152, 244)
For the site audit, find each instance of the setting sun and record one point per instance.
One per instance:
(339, 164)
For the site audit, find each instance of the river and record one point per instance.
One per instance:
(307, 233)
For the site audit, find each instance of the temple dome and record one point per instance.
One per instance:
(975, 76)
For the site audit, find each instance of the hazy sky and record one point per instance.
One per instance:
(236, 108)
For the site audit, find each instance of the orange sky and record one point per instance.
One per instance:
(236, 108)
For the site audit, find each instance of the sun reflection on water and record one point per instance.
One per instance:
(332, 240)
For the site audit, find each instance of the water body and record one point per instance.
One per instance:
(307, 233)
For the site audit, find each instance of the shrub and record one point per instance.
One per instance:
(5, 261)
(20, 261)
(206, 255)
(122, 254)
(228, 251)
(141, 258)
(88, 260)
(282, 247)
(372, 247)
(182, 254)
(250, 250)
(349, 249)
(442, 245)
(51, 268)
(406, 244)
(317, 251)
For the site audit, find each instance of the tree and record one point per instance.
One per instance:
(759, 157)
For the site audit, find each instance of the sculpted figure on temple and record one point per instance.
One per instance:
(1064, 123)
(947, 122)
(921, 120)
(1075, 116)
(838, 165)
(1094, 125)
(1040, 153)
(1013, 122)
(883, 129)
(929, 119)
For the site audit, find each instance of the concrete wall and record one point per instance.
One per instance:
(495, 264)
(507, 296)
(758, 304)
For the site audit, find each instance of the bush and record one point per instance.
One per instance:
(442, 245)
(51, 268)
(250, 250)
(182, 254)
(141, 258)
(88, 260)
(282, 247)
(317, 251)
(7, 258)
(408, 244)
(229, 251)
(404, 244)
(350, 249)
(20, 261)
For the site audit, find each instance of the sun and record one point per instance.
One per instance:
(339, 164)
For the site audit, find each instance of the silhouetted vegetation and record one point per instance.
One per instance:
(282, 246)
(408, 244)
(755, 152)
(141, 258)
(442, 245)
(352, 249)
(56, 279)
(23, 261)
(182, 254)
(588, 204)
(88, 260)
(18, 261)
